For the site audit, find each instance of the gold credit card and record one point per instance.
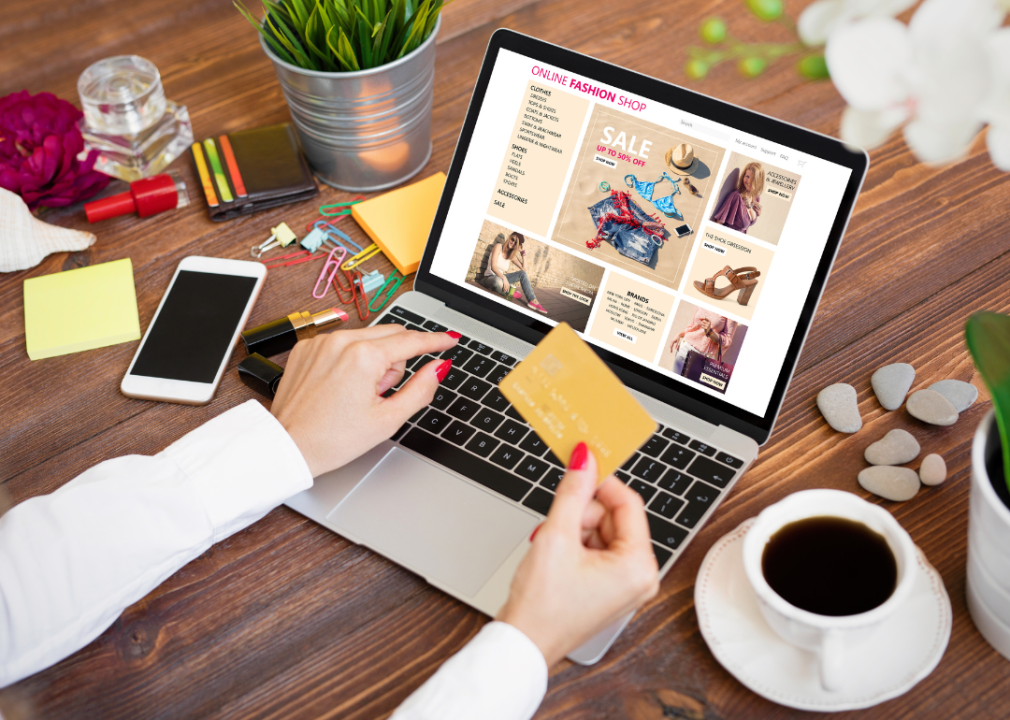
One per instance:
(569, 395)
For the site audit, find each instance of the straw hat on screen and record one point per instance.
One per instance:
(681, 159)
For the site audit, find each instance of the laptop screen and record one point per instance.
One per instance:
(685, 247)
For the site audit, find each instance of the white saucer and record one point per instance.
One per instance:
(905, 649)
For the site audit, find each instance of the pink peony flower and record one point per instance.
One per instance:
(39, 144)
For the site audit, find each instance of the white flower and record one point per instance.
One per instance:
(996, 108)
(818, 21)
(933, 73)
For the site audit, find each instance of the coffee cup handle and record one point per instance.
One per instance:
(832, 650)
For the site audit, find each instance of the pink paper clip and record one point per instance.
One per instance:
(331, 265)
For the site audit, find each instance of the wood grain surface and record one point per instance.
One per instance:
(287, 620)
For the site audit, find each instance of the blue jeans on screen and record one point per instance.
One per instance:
(493, 282)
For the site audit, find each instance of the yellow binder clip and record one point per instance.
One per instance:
(365, 254)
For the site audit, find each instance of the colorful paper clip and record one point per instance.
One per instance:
(332, 264)
(324, 232)
(282, 235)
(302, 256)
(365, 254)
(386, 291)
(371, 281)
(340, 214)
(360, 298)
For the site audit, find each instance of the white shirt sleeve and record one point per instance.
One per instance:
(499, 675)
(72, 561)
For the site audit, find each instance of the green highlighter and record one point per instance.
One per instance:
(215, 165)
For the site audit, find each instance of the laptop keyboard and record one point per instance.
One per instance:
(471, 428)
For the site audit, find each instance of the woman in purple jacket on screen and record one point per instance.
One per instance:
(742, 207)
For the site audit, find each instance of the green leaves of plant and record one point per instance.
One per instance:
(988, 338)
(348, 35)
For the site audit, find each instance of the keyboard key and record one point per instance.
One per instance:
(498, 374)
(676, 436)
(725, 459)
(699, 499)
(443, 398)
(479, 365)
(675, 481)
(399, 433)
(513, 413)
(662, 555)
(539, 500)
(458, 433)
(454, 378)
(433, 326)
(482, 444)
(552, 478)
(648, 469)
(419, 361)
(467, 465)
(506, 456)
(552, 458)
(666, 534)
(642, 488)
(666, 505)
(623, 476)
(495, 400)
(531, 468)
(711, 471)
(511, 432)
(458, 354)
(654, 446)
(487, 420)
(702, 447)
(677, 456)
(474, 389)
(405, 378)
(463, 408)
(391, 320)
(631, 462)
(434, 421)
(533, 444)
(499, 356)
(406, 315)
(418, 415)
(479, 347)
(415, 328)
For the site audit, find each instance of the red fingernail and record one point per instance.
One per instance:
(580, 457)
(534, 533)
(442, 370)
(453, 334)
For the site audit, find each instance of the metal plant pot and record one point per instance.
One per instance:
(988, 587)
(366, 130)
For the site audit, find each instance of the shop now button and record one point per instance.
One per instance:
(625, 336)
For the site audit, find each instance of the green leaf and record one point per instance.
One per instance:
(300, 13)
(315, 40)
(363, 38)
(988, 338)
(290, 42)
(248, 15)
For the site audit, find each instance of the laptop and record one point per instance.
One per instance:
(686, 239)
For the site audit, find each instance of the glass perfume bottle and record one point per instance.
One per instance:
(136, 131)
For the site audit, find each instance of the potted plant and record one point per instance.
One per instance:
(358, 76)
(988, 586)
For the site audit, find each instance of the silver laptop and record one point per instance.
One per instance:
(686, 239)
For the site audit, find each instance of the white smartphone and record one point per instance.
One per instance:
(186, 347)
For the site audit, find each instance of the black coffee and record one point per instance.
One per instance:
(830, 566)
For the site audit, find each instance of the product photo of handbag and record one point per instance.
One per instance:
(707, 371)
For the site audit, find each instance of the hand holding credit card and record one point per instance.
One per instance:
(569, 395)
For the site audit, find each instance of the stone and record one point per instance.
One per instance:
(933, 470)
(838, 405)
(891, 384)
(931, 407)
(896, 448)
(960, 394)
(891, 483)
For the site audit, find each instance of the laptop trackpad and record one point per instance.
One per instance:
(431, 522)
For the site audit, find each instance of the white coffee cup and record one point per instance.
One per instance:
(830, 637)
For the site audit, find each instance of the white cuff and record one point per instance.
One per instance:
(247, 436)
(499, 675)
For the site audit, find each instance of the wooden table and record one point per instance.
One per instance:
(286, 619)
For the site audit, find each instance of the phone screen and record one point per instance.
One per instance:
(194, 330)
(683, 230)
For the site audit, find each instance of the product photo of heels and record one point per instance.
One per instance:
(742, 279)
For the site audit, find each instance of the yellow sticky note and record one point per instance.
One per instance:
(568, 395)
(82, 309)
(399, 221)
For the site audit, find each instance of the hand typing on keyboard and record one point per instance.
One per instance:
(331, 397)
(591, 563)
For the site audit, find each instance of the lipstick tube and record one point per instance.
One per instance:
(146, 197)
(281, 335)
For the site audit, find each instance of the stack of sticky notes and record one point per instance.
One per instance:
(82, 309)
(399, 221)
